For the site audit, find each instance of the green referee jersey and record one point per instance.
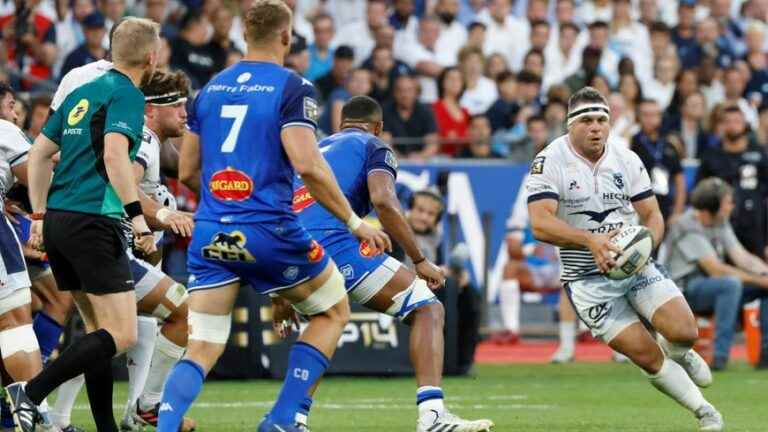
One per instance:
(110, 103)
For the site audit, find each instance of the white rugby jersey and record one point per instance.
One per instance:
(149, 157)
(13, 151)
(593, 197)
(77, 77)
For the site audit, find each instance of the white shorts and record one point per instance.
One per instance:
(13, 268)
(370, 285)
(145, 277)
(608, 306)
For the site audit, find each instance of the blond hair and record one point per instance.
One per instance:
(265, 19)
(133, 40)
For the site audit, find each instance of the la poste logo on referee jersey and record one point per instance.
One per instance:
(78, 112)
(230, 184)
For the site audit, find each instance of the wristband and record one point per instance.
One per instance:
(37, 216)
(133, 209)
(162, 214)
(354, 222)
(143, 234)
(420, 261)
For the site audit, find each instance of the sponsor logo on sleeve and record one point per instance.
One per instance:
(311, 111)
(391, 160)
(537, 166)
(228, 247)
(231, 185)
(302, 199)
(78, 112)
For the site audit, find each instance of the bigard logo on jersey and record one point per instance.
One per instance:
(302, 199)
(228, 247)
(78, 112)
(231, 185)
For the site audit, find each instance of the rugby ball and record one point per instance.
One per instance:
(637, 245)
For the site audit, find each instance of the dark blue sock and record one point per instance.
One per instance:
(6, 418)
(305, 406)
(182, 386)
(48, 332)
(305, 366)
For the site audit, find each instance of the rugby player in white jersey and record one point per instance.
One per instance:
(158, 296)
(582, 188)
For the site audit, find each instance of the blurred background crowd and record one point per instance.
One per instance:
(458, 78)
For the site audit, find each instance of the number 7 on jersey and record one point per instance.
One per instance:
(236, 112)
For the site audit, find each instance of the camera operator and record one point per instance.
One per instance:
(425, 212)
(30, 41)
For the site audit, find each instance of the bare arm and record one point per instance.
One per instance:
(381, 187)
(714, 267)
(39, 171)
(747, 261)
(651, 218)
(680, 195)
(20, 172)
(169, 157)
(189, 162)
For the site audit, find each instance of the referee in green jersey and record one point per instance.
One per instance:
(98, 130)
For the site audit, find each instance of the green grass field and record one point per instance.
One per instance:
(575, 397)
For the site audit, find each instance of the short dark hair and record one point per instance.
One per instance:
(586, 95)
(660, 27)
(42, 100)
(598, 25)
(728, 109)
(476, 24)
(709, 193)
(441, 81)
(344, 52)
(539, 22)
(528, 77)
(569, 25)
(361, 108)
(5, 89)
(505, 75)
(164, 82)
(534, 119)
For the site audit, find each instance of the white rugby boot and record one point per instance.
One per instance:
(433, 422)
(710, 419)
(696, 368)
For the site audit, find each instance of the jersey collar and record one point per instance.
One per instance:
(152, 134)
(593, 166)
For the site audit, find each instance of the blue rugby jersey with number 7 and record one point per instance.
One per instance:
(239, 115)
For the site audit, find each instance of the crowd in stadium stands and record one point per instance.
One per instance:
(476, 79)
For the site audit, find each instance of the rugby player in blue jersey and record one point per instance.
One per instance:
(366, 170)
(252, 128)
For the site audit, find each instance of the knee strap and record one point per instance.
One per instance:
(415, 296)
(18, 339)
(325, 297)
(209, 328)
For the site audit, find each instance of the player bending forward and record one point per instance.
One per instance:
(582, 188)
(251, 126)
(366, 168)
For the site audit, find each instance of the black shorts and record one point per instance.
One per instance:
(86, 252)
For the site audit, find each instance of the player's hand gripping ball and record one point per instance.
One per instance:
(636, 243)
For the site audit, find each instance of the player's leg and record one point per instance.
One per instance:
(567, 331)
(210, 310)
(167, 302)
(18, 343)
(509, 300)
(324, 300)
(49, 322)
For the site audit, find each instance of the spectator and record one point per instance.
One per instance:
(518, 144)
(712, 43)
(743, 164)
(221, 20)
(622, 122)
(358, 84)
(69, 29)
(469, 11)
(600, 83)
(479, 140)
(343, 60)
(730, 30)
(561, 57)
(38, 114)
(422, 56)
(629, 38)
(301, 26)
(661, 159)
(696, 248)
(495, 64)
(237, 31)
(609, 60)
(684, 35)
(298, 56)
(408, 124)
(385, 69)
(761, 134)
(662, 87)
(686, 83)
(529, 85)
(480, 92)
(30, 42)
(590, 62)
(755, 43)
(503, 112)
(735, 83)
(661, 47)
(193, 54)
(630, 90)
(709, 82)
(157, 11)
(114, 11)
(690, 128)
(534, 62)
(320, 51)
(592, 11)
(453, 34)
(452, 120)
(476, 36)
(404, 21)
(359, 35)
(91, 50)
(504, 32)
(555, 112)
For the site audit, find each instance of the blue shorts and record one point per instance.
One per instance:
(354, 260)
(36, 267)
(269, 257)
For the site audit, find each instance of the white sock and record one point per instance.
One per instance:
(674, 351)
(673, 381)
(139, 358)
(567, 334)
(433, 401)
(509, 296)
(65, 400)
(166, 355)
